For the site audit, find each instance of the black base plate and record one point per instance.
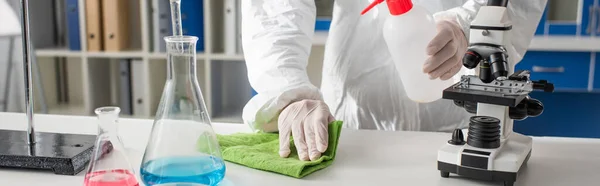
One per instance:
(508, 178)
(65, 154)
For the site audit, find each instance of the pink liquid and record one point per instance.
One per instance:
(117, 177)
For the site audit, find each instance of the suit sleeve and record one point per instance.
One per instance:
(277, 39)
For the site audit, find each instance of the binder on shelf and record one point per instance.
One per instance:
(192, 20)
(72, 19)
(93, 16)
(60, 16)
(229, 27)
(42, 18)
(232, 27)
(322, 24)
(125, 101)
(138, 88)
(324, 13)
(238, 7)
(115, 23)
(162, 24)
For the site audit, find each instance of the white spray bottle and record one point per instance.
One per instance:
(407, 33)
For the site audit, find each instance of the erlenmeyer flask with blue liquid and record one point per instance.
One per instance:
(175, 155)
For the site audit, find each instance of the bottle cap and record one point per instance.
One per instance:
(396, 7)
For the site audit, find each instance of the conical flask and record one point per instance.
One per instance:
(109, 165)
(183, 148)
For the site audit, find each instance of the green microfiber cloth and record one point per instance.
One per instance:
(261, 151)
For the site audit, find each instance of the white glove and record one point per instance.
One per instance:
(446, 51)
(308, 121)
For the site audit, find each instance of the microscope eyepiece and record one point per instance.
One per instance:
(498, 65)
(471, 59)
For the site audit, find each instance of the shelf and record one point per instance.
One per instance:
(57, 52)
(86, 74)
(70, 109)
(69, 53)
(228, 57)
(565, 43)
(155, 55)
(119, 54)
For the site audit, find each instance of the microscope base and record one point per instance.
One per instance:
(502, 164)
(64, 154)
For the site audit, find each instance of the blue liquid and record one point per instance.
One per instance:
(204, 170)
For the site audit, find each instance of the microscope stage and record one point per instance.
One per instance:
(479, 96)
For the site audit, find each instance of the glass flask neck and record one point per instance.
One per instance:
(108, 117)
(181, 56)
(185, 97)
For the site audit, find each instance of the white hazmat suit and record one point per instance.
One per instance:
(359, 84)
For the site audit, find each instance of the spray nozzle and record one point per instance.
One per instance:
(373, 4)
(397, 7)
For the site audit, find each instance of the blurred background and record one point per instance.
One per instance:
(78, 71)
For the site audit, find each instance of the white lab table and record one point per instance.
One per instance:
(363, 158)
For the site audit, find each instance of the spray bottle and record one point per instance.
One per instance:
(407, 33)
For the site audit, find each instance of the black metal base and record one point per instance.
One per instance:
(508, 178)
(65, 154)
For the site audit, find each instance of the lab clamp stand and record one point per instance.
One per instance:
(65, 154)
(492, 151)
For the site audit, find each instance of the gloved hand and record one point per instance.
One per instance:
(446, 51)
(307, 121)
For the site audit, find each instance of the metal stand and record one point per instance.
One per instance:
(65, 154)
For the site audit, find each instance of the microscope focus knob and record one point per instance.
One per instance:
(519, 112)
(529, 107)
(469, 106)
(534, 107)
(459, 103)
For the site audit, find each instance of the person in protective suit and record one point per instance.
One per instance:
(360, 84)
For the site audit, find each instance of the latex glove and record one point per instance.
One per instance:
(307, 121)
(446, 51)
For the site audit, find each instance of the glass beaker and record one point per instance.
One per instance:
(109, 165)
(183, 148)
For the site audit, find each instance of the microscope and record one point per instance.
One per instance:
(498, 96)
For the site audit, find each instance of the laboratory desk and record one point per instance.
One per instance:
(363, 158)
